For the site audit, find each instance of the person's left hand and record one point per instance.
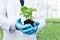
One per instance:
(35, 26)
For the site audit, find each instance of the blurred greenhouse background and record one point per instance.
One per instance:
(52, 14)
(53, 9)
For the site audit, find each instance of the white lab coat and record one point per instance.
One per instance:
(9, 13)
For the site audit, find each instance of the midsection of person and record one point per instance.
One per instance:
(17, 35)
(13, 9)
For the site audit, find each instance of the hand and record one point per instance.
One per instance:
(35, 26)
(28, 28)
(18, 24)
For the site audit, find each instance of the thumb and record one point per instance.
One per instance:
(19, 21)
(36, 23)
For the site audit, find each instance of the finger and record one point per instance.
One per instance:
(35, 28)
(26, 26)
(18, 25)
(28, 30)
(36, 23)
(31, 32)
(19, 21)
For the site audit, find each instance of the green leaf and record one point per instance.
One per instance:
(31, 9)
(23, 9)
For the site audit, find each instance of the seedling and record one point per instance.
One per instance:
(27, 13)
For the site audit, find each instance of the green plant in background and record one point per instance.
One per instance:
(27, 12)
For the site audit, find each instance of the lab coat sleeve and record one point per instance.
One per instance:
(39, 16)
(4, 22)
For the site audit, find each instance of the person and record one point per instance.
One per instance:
(12, 22)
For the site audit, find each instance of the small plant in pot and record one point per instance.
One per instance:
(27, 13)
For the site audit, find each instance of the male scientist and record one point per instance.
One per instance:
(12, 22)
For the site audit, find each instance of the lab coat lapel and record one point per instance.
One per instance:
(18, 11)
